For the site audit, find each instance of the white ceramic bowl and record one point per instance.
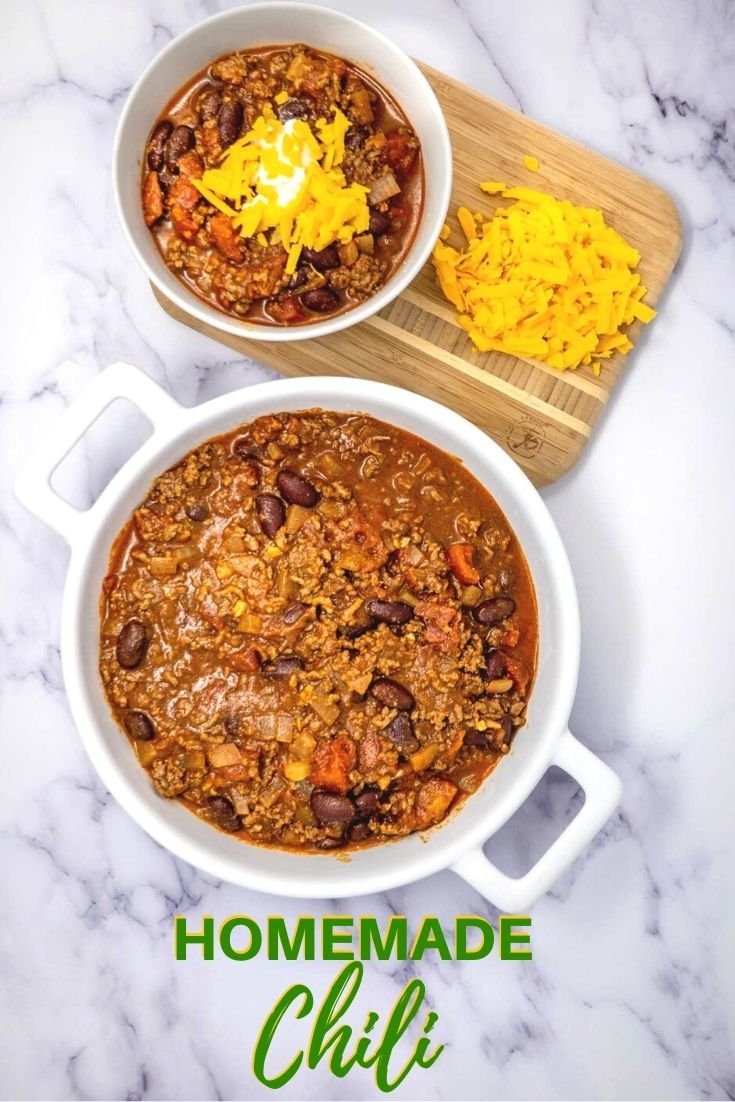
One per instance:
(273, 24)
(457, 844)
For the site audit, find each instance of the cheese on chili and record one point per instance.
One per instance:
(281, 180)
(543, 278)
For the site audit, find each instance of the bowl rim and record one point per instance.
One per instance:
(412, 263)
(310, 881)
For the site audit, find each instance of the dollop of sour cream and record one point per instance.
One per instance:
(283, 184)
(290, 159)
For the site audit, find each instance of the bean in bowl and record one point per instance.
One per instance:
(318, 632)
(282, 185)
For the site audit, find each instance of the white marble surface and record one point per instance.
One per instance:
(631, 993)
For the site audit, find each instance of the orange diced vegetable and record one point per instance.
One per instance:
(433, 800)
(518, 672)
(423, 758)
(331, 764)
(461, 565)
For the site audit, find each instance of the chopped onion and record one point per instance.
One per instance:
(297, 514)
(275, 725)
(267, 725)
(284, 728)
(239, 802)
(414, 555)
(324, 708)
(348, 253)
(162, 566)
(224, 754)
(366, 243)
(384, 188)
(271, 792)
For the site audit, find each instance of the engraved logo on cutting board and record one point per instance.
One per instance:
(526, 437)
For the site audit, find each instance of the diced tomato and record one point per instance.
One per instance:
(287, 310)
(516, 670)
(331, 764)
(461, 565)
(400, 151)
(433, 800)
(226, 238)
(152, 199)
(246, 660)
(361, 544)
(191, 165)
(183, 198)
(443, 625)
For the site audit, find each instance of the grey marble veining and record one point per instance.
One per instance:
(630, 994)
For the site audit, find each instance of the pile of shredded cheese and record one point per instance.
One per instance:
(543, 279)
(283, 181)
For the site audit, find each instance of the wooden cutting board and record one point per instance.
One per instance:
(542, 417)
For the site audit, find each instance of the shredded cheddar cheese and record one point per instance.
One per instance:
(531, 163)
(544, 279)
(281, 183)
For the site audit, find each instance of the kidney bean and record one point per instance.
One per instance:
(209, 103)
(139, 726)
(389, 612)
(392, 563)
(223, 813)
(494, 664)
(476, 738)
(232, 724)
(356, 137)
(400, 732)
(368, 802)
(283, 666)
(298, 279)
(392, 694)
(198, 511)
(159, 137)
(323, 259)
(294, 612)
(329, 807)
(321, 300)
(166, 179)
(229, 121)
(180, 142)
(271, 513)
(328, 843)
(357, 832)
(493, 611)
(132, 643)
(243, 449)
(296, 489)
(293, 109)
(355, 631)
(507, 724)
(379, 222)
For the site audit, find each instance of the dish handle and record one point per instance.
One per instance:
(602, 789)
(33, 485)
